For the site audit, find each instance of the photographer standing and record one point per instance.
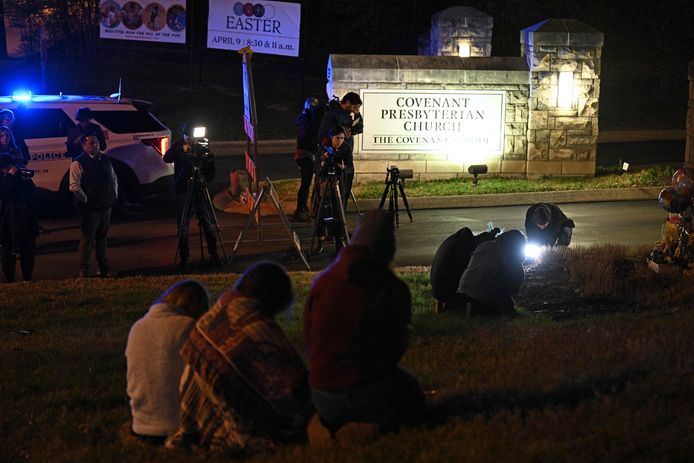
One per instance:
(19, 224)
(307, 124)
(329, 167)
(189, 159)
(344, 113)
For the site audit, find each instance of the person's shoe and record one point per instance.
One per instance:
(183, 266)
(319, 246)
(83, 274)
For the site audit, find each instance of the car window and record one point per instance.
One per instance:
(42, 123)
(128, 121)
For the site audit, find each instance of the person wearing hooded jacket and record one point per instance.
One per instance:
(356, 326)
(449, 263)
(494, 275)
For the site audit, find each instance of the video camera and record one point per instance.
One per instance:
(331, 160)
(201, 144)
(396, 173)
(22, 172)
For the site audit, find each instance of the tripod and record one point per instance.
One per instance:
(393, 185)
(197, 184)
(330, 191)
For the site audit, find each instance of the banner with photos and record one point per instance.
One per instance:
(266, 27)
(151, 21)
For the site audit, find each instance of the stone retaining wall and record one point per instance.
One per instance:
(542, 135)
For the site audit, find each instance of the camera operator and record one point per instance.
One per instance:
(19, 225)
(344, 113)
(307, 124)
(187, 155)
(329, 167)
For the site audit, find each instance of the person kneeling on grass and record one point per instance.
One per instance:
(450, 261)
(154, 364)
(356, 325)
(244, 388)
(494, 275)
(547, 225)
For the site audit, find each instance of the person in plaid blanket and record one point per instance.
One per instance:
(244, 387)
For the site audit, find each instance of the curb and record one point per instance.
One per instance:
(520, 199)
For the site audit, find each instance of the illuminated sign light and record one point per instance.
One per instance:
(21, 96)
(199, 132)
(469, 124)
(565, 89)
(464, 49)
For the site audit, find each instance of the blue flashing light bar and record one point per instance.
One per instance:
(21, 96)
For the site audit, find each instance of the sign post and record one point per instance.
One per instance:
(250, 123)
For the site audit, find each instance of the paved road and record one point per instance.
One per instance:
(146, 244)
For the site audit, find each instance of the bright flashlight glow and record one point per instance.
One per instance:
(532, 251)
(21, 96)
(199, 132)
(565, 92)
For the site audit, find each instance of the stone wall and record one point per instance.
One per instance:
(562, 140)
(689, 150)
(411, 73)
(456, 26)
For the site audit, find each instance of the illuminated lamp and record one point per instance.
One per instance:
(565, 89)
(21, 96)
(464, 49)
(199, 132)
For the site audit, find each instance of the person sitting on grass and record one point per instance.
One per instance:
(154, 364)
(244, 387)
(547, 225)
(494, 275)
(450, 261)
(356, 325)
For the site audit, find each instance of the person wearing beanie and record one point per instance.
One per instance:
(356, 325)
(547, 225)
(84, 125)
(450, 261)
(494, 275)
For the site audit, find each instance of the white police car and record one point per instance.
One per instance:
(136, 140)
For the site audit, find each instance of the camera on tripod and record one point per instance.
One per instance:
(200, 149)
(331, 161)
(396, 173)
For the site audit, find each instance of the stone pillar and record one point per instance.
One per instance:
(689, 150)
(460, 27)
(562, 129)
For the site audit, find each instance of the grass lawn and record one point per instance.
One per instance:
(604, 387)
(655, 175)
